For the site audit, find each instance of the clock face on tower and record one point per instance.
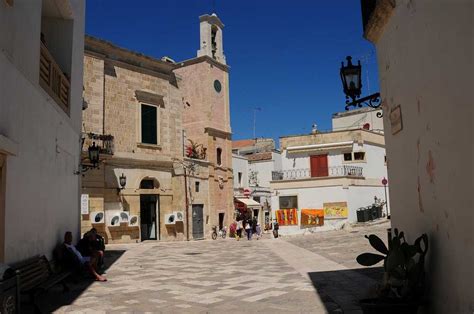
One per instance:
(217, 86)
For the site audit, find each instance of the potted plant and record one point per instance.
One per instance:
(403, 284)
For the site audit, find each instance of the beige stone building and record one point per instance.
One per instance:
(142, 112)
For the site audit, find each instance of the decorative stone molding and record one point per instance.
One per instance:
(378, 19)
(149, 98)
(218, 133)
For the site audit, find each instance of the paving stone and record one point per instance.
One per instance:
(300, 274)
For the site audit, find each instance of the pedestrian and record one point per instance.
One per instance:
(259, 231)
(239, 229)
(275, 229)
(248, 229)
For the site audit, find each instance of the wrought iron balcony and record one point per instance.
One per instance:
(53, 80)
(305, 173)
(104, 142)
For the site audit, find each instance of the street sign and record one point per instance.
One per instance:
(384, 181)
(85, 204)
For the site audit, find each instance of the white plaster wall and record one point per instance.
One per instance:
(264, 170)
(294, 161)
(42, 193)
(357, 121)
(240, 164)
(276, 156)
(373, 167)
(314, 198)
(425, 57)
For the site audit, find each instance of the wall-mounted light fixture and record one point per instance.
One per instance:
(352, 85)
(122, 182)
(94, 158)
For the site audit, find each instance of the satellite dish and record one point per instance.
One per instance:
(115, 220)
(133, 221)
(124, 217)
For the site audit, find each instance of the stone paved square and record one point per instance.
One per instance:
(294, 274)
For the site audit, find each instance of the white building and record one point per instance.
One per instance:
(363, 118)
(41, 52)
(428, 111)
(262, 159)
(329, 176)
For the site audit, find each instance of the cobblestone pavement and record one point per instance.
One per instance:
(269, 276)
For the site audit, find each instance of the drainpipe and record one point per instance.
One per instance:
(187, 203)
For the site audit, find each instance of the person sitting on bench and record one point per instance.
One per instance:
(98, 244)
(90, 262)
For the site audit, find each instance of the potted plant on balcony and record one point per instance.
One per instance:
(403, 284)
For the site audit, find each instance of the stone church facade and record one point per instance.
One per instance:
(145, 114)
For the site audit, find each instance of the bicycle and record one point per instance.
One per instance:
(222, 233)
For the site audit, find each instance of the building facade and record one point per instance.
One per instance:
(428, 112)
(163, 132)
(326, 178)
(40, 124)
(262, 159)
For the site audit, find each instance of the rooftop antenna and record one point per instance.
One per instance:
(255, 121)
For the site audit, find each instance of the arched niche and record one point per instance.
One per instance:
(149, 183)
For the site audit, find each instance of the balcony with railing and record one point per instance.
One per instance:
(104, 142)
(53, 80)
(305, 173)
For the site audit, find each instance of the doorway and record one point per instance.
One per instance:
(198, 226)
(221, 221)
(255, 213)
(149, 210)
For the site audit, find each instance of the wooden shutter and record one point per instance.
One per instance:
(319, 166)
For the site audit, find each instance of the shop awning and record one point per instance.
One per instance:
(249, 202)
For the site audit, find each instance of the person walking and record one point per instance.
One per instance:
(276, 226)
(248, 229)
(239, 229)
(258, 230)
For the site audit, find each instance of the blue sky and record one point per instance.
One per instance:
(284, 55)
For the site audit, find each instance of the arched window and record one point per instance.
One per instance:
(219, 156)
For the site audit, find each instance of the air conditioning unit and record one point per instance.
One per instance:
(179, 216)
(170, 219)
(114, 220)
(133, 221)
(124, 217)
(97, 217)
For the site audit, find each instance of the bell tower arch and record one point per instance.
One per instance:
(211, 37)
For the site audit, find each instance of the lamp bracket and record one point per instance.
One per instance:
(372, 101)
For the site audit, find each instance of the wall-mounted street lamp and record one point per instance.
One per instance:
(122, 182)
(94, 155)
(352, 85)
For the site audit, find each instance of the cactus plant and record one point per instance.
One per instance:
(403, 266)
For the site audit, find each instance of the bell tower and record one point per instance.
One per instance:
(211, 37)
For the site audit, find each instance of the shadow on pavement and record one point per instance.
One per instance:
(341, 290)
(56, 297)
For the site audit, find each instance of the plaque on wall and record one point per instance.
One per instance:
(396, 119)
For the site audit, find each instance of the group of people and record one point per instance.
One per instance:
(250, 227)
(87, 254)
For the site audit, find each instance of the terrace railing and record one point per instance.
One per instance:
(304, 173)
